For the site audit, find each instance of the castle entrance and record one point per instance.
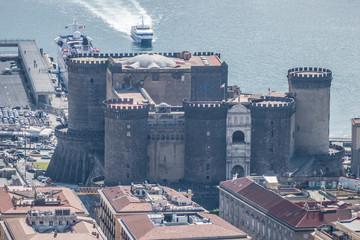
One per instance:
(239, 170)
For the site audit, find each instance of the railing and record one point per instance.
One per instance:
(87, 190)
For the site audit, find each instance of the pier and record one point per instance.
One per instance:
(35, 68)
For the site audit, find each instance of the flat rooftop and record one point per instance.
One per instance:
(82, 230)
(201, 226)
(135, 94)
(156, 198)
(353, 224)
(312, 73)
(68, 199)
(36, 67)
(246, 97)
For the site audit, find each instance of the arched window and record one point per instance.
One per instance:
(238, 137)
(239, 170)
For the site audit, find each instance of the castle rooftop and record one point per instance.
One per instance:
(184, 60)
(355, 121)
(146, 61)
(134, 94)
(88, 59)
(312, 73)
(271, 103)
(122, 103)
(246, 97)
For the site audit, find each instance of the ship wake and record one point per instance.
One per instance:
(119, 14)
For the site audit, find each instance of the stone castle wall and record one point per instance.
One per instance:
(86, 92)
(166, 147)
(206, 82)
(311, 90)
(272, 136)
(205, 145)
(125, 142)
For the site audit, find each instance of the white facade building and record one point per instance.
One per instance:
(238, 141)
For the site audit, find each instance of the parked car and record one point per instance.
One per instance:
(30, 159)
(45, 157)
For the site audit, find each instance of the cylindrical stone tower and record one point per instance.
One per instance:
(205, 141)
(126, 124)
(87, 90)
(272, 136)
(83, 141)
(311, 90)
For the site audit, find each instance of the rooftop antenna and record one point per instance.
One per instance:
(75, 25)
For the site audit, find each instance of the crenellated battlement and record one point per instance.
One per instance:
(309, 78)
(126, 55)
(87, 67)
(125, 108)
(88, 62)
(63, 132)
(205, 110)
(272, 107)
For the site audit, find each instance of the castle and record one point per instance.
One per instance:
(171, 117)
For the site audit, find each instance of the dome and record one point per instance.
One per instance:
(149, 61)
(76, 35)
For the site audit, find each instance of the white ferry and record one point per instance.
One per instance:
(75, 43)
(142, 34)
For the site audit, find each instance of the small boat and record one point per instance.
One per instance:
(142, 34)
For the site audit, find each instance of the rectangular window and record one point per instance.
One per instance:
(155, 76)
(50, 223)
(128, 134)
(207, 166)
(128, 126)
(208, 133)
(60, 222)
(41, 222)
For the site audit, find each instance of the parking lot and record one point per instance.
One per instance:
(13, 90)
(22, 118)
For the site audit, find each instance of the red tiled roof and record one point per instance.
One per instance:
(122, 200)
(281, 208)
(68, 198)
(5, 201)
(143, 229)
